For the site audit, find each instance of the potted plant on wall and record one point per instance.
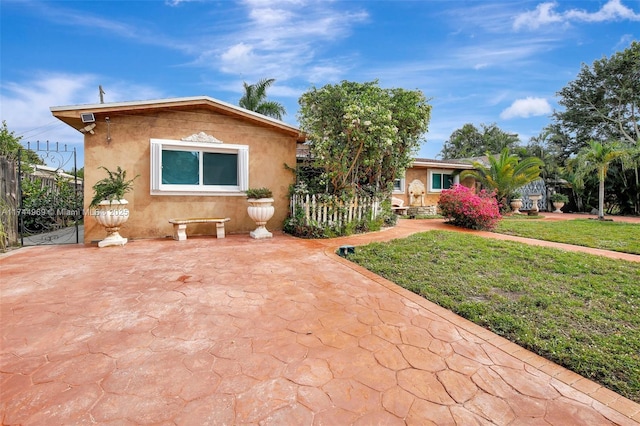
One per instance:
(110, 205)
(260, 211)
(559, 200)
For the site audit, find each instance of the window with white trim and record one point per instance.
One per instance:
(440, 179)
(198, 168)
(399, 186)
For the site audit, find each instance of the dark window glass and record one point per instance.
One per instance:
(448, 181)
(220, 169)
(436, 181)
(180, 167)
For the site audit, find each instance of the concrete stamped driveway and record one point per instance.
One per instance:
(277, 332)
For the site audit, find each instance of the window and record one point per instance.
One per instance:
(182, 168)
(398, 186)
(440, 179)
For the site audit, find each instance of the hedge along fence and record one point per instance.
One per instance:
(324, 215)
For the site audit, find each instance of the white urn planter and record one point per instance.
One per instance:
(534, 203)
(516, 205)
(260, 211)
(558, 205)
(111, 215)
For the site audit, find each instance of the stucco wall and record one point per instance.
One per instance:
(421, 174)
(129, 148)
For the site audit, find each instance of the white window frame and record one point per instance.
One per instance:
(403, 186)
(456, 178)
(159, 188)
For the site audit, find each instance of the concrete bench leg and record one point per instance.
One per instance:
(220, 230)
(179, 232)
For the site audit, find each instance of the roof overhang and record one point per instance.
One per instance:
(440, 164)
(71, 114)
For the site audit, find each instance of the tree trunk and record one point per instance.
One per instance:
(636, 202)
(601, 196)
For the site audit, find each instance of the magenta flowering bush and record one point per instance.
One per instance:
(460, 206)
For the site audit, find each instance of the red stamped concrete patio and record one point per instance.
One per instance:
(275, 332)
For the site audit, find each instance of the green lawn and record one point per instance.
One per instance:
(616, 236)
(578, 310)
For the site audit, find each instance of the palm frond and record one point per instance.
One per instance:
(254, 99)
(505, 173)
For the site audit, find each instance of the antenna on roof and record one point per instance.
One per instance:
(101, 92)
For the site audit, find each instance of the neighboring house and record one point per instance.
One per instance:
(50, 175)
(425, 179)
(195, 157)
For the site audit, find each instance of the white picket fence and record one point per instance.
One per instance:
(321, 210)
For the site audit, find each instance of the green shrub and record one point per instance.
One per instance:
(559, 198)
(297, 225)
(259, 193)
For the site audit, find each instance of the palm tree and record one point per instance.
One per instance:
(505, 174)
(597, 156)
(254, 99)
(574, 181)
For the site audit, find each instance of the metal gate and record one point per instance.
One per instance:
(50, 209)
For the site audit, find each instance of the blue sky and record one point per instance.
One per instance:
(479, 61)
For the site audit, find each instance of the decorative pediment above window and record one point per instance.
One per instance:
(202, 137)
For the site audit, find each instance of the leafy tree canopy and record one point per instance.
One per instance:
(546, 147)
(470, 142)
(10, 146)
(603, 102)
(255, 99)
(361, 135)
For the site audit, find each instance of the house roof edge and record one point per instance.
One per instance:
(451, 164)
(158, 103)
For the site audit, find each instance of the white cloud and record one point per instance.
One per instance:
(266, 3)
(527, 107)
(237, 56)
(324, 73)
(282, 39)
(613, 10)
(496, 53)
(25, 105)
(177, 2)
(268, 16)
(477, 18)
(624, 42)
(98, 24)
(545, 14)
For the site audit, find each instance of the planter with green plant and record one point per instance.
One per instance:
(110, 207)
(559, 200)
(516, 202)
(260, 210)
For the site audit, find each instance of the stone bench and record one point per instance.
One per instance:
(180, 226)
(397, 206)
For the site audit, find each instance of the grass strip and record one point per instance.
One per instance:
(607, 235)
(580, 311)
